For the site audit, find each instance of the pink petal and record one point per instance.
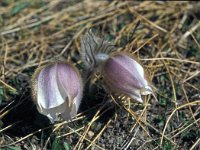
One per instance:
(69, 83)
(48, 94)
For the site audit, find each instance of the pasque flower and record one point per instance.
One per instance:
(57, 89)
(121, 72)
(124, 75)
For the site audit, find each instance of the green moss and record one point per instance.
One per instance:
(167, 146)
(2, 94)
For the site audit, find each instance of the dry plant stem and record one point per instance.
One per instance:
(88, 110)
(140, 148)
(132, 114)
(140, 117)
(195, 27)
(104, 15)
(96, 116)
(149, 40)
(197, 102)
(8, 86)
(194, 87)
(127, 144)
(195, 144)
(27, 26)
(129, 105)
(87, 139)
(110, 18)
(8, 127)
(182, 130)
(186, 97)
(148, 21)
(2, 110)
(4, 60)
(28, 16)
(67, 134)
(192, 76)
(99, 134)
(138, 121)
(89, 125)
(195, 40)
(40, 130)
(169, 139)
(46, 19)
(126, 29)
(25, 137)
(174, 59)
(5, 113)
(173, 87)
(54, 130)
(74, 38)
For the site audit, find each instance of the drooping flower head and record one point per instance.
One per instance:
(57, 89)
(125, 75)
(121, 72)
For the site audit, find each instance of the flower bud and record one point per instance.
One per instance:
(57, 89)
(124, 75)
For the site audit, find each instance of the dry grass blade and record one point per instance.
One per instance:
(8, 86)
(99, 134)
(180, 107)
(88, 140)
(195, 144)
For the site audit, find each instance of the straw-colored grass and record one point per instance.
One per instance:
(163, 36)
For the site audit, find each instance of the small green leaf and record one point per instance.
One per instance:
(2, 96)
(13, 148)
(19, 8)
(167, 146)
(109, 37)
(66, 146)
(57, 145)
(163, 101)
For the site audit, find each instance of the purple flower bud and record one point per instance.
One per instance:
(57, 89)
(124, 75)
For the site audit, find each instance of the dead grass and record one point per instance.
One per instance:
(166, 41)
